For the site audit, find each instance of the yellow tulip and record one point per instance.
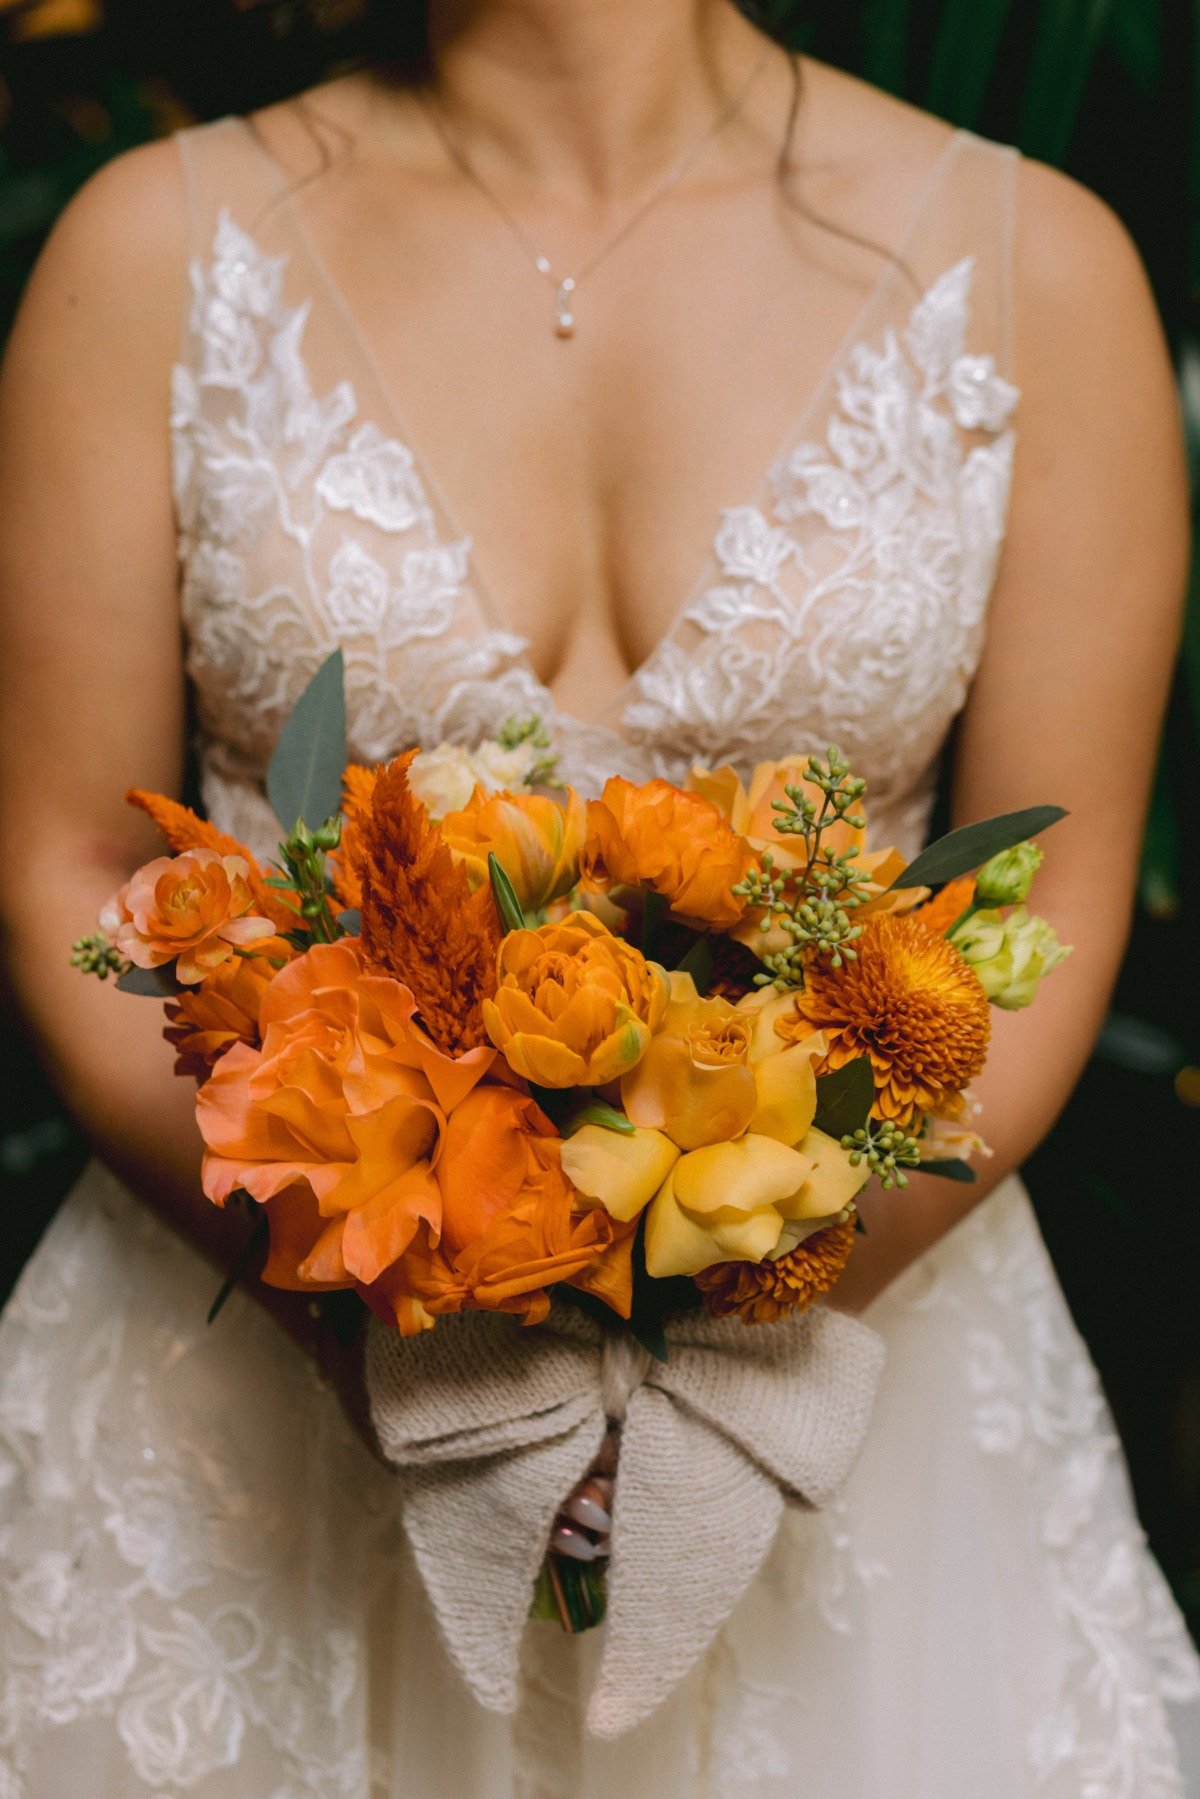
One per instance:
(574, 1005)
(617, 1170)
(536, 840)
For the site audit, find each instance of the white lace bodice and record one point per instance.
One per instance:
(844, 603)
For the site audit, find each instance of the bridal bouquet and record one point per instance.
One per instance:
(475, 1045)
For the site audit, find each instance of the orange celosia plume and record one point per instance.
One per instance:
(345, 865)
(420, 919)
(186, 830)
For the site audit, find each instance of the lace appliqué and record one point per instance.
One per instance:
(850, 606)
(144, 1567)
(1104, 1729)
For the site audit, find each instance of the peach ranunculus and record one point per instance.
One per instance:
(510, 1228)
(751, 813)
(336, 1121)
(724, 1153)
(536, 840)
(223, 1010)
(197, 907)
(575, 1006)
(674, 843)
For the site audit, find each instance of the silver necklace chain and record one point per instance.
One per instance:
(565, 286)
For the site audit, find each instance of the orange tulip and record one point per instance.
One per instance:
(536, 840)
(195, 907)
(574, 1006)
(347, 1100)
(675, 844)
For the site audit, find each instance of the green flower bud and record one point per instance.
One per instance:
(1010, 955)
(1007, 878)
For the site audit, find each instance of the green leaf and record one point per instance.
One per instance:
(950, 1169)
(886, 36)
(961, 851)
(845, 1098)
(1068, 36)
(698, 962)
(597, 1111)
(1139, 1046)
(153, 983)
(652, 1337)
(255, 1248)
(304, 779)
(654, 912)
(1135, 33)
(351, 922)
(964, 57)
(507, 904)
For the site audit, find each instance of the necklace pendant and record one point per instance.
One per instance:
(564, 318)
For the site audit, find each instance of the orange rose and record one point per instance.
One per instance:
(209, 1019)
(346, 1102)
(676, 844)
(536, 840)
(575, 1006)
(196, 907)
(509, 1228)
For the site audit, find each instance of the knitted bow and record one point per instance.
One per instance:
(491, 1424)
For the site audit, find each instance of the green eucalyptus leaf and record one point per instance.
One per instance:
(952, 1168)
(153, 983)
(845, 1098)
(1139, 1046)
(507, 904)
(304, 779)
(962, 851)
(351, 922)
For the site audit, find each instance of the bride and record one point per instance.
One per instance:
(600, 361)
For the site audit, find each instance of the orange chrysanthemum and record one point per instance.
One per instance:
(420, 919)
(762, 1292)
(948, 906)
(345, 866)
(909, 1002)
(186, 830)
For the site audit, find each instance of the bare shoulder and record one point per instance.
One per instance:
(1077, 270)
(869, 150)
(114, 265)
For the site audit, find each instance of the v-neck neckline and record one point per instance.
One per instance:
(797, 433)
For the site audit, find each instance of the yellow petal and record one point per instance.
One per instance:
(678, 1243)
(765, 1008)
(833, 1183)
(787, 1094)
(727, 1178)
(543, 1061)
(693, 1102)
(722, 787)
(619, 1172)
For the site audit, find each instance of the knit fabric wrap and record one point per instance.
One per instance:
(490, 1424)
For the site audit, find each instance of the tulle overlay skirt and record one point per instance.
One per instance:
(203, 1588)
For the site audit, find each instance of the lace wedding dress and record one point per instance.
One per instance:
(204, 1589)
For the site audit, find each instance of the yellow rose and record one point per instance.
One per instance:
(724, 1152)
(574, 1005)
(535, 839)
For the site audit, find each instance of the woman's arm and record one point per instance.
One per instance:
(91, 678)
(1068, 702)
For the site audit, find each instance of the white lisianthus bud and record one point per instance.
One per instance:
(1008, 877)
(1009, 954)
(443, 779)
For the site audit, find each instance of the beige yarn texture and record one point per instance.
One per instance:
(490, 1424)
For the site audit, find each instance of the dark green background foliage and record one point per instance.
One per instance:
(1106, 88)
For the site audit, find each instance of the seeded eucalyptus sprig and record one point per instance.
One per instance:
(886, 1149)
(303, 855)
(813, 902)
(95, 954)
(516, 731)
